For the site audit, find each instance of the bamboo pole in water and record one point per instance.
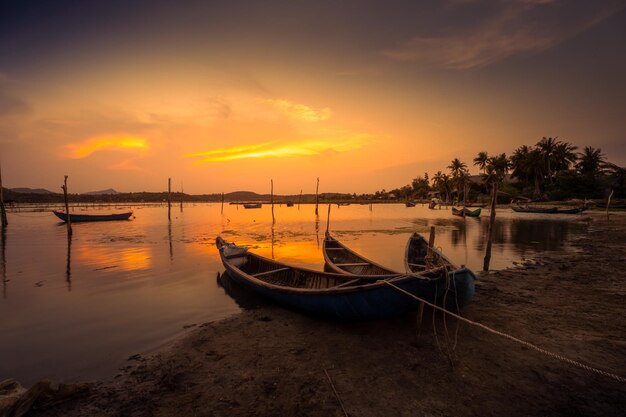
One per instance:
(169, 199)
(272, 199)
(317, 195)
(67, 208)
(182, 192)
(300, 200)
(492, 219)
(608, 203)
(3, 211)
(222, 209)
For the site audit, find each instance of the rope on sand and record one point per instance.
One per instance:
(515, 339)
(336, 394)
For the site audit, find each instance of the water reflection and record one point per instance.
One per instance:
(169, 238)
(3, 261)
(248, 300)
(68, 266)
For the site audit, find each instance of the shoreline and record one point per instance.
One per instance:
(272, 361)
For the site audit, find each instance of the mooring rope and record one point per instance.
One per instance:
(513, 338)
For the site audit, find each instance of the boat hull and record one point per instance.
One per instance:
(77, 218)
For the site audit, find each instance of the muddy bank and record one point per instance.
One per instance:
(272, 362)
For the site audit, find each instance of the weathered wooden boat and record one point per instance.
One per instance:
(465, 212)
(461, 287)
(343, 296)
(410, 204)
(341, 259)
(252, 205)
(530, 209)
(571, 211)
(74, 218)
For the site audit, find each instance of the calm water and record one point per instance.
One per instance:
(78, 311)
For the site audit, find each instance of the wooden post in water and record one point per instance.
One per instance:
(328, 218)
(182, 192)
(222, 209)
(299, 199)
(67, 209)
(317, 189)
(272, 199)
(3, 211)
(431, 245)
(169, 199)
(492, 219)
(608, 203)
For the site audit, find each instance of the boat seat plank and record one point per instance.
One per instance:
(354, 264)
(270, 272)
(335, 249)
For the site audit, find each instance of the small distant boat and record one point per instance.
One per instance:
(410, 204)
(92, 217)
(464, 212)
(461, 288)
(530, 209)
(342, 296)
(252, 205)
(343, 204)
(341, 259)
(289, 204)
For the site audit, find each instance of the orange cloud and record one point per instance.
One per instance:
(86, 148)
(300, 111)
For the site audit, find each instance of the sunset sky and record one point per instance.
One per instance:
(224, 95)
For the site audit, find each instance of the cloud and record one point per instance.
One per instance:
(521, 26)
(122, 142)
(277, 150)
(300, 111)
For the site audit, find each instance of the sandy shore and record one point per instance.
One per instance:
(274, 362)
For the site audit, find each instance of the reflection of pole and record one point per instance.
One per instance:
(68, 267)
(3, 211)
(272, 240)
(169, 199)
(67, 208)
(300, 200)
(328, 219)
(317, 189)
(182, 192)
(222, 209)
(169, 236)
(3, 262)
(492, 219)
(317, 230)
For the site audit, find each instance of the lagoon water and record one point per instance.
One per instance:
(77, 311)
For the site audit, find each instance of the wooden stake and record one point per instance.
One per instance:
(272, 199)
(3, 213)
(222, 210)
(169, 199)
(300, 200)
(182, 192)
(67, 208)
(492, 219)
(431, 245)
(328, 218)
(608, 203)
(316, 194)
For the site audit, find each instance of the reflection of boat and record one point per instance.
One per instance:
(341, 296)
(481, 205)
(92, 217)
(463, 212)
(343, 260)
(252, 205)
(244, 299)
(462, 279)
(410, 204)
(549, 210)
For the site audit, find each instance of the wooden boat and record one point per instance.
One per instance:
(410, 204)
(340, 259)
(252, 205)
(463, 212)
(92, 217)
(530, 209)
(289, 204)
(343, 296)
(571, 211)
(461, 279)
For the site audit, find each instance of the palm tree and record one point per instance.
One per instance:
(547, 146)
(527, 164)
(458, 170)
(481, 160)
(564, 156)
(591, 162)
(441, 182)
(495, 171)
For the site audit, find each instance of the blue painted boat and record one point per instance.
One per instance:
(341, 296)
(92, 217)
(460, 288)
(465, 212)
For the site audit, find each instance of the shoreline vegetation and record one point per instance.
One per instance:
(272, 361)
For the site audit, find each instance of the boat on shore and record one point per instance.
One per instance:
(465, 212)
(461, 287)
(548, 210)
(340, 296)
(343, 260)
(410, 204)
(252, 205)
(76, 218)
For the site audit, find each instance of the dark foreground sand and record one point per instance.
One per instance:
(272, 362)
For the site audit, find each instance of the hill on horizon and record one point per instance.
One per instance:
(26, 190)
(108, 191)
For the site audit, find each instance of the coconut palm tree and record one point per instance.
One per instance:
(527, 165)
(459, 173)
(481, 160)
(547, 146)
(495, 171)
(591, 162)
(441, 183)
(564, 156)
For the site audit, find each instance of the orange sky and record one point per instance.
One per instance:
(223, 98)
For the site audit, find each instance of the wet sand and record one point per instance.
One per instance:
(274, 362)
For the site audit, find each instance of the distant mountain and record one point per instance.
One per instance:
(25, 190)
(108, 191)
